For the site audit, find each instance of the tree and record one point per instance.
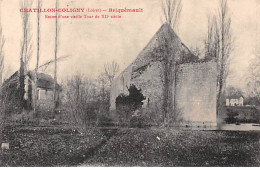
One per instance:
(81, 101)
(105, 80)
(253, 85)
(171, 12)
(219, 45)
(27, 36)
(2, 42)
(212, 41)
(37, 57)
(254, 68)
(2, 98)
(110, 71)
(231, 91)
(104, 86)
(55, 96)
(26, 49)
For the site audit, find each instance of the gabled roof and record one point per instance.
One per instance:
(165, 43)
(44, 80)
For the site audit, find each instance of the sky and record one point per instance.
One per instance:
(90, 43)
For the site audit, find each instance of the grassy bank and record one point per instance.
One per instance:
(48, 146)
(139, 147)
(64, 146)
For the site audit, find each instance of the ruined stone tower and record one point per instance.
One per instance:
(172, 79)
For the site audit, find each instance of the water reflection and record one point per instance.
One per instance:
(240, 127)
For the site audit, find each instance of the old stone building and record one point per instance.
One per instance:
(172, 79)
(45, 88)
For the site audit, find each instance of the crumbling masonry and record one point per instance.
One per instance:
(174, 81)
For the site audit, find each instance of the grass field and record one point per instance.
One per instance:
(48, 146)
(137, 147)
(62, 146)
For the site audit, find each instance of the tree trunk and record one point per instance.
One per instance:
(55, 97)
(37, 61)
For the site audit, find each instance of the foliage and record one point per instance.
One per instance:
(11, 95)
(2, 117)
(105, 121)
(79, 101)
(242, 114)
(231, 116)
(140, 121)
(252, 100)
(4, 106)
(153, 114)
(127, 104)
(231, 91)
(85, 102)
(133, 100)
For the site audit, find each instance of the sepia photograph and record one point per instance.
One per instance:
(130, 83)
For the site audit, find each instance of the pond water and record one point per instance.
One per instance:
(230, 127)
(241, 127)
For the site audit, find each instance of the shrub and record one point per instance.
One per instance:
(139, 121)
(242, 114)
(2, 115)
(25, 118)
(105, 121)
(127, 104)
(3, 108)
(83, 102)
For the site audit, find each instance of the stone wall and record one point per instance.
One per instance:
(195, 98)
(45, 94)
(196, 92)
(150, 82)
(120, 85)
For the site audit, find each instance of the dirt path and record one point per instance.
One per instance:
(109, 133)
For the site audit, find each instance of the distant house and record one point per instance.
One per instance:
(45, 90)
(235, 101)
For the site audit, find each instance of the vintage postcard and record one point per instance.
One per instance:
(130, 83)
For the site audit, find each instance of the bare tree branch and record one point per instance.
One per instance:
(48, 63)
(171, 12)
(219, 45)
(111, 70)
